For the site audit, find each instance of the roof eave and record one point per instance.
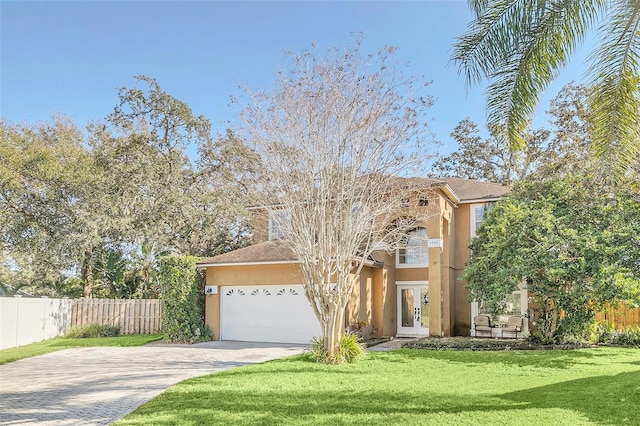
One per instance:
(481, 200)
(254, 263)
(450, 193)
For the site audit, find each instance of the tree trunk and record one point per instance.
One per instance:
(548, 320)
(86, 274)
(333, 331)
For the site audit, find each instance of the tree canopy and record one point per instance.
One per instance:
(563, 148)
(491, 159)
(573, 243)
(94, 210)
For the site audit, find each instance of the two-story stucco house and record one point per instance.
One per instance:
(256, 293)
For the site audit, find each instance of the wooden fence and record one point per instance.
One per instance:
(620, 317)
(134, 316)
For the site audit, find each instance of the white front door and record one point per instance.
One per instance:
(413, 310)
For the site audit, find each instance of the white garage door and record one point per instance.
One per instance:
(273, 313)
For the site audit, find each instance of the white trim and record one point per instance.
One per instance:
(472, 216)
(481, 200)
(449, 192)
(416, 286)
(412, 283)
(278, 262)
(410, 265)
(274, 262)
(413, 265)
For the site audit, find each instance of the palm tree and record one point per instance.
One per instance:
(146, 264)
(520, 45)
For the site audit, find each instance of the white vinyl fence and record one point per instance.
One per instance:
(25, 320)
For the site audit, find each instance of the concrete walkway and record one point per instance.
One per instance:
(395, 343)
(96, 386)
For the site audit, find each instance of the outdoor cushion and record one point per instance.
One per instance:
(514, 325)
(482, 323)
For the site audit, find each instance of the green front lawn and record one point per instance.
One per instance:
(59, 343)
(414, 387)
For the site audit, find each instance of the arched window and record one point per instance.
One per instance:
(415, 250)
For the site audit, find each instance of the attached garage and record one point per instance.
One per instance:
(267, 313)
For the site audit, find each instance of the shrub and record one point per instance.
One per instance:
(350, 349)
(93, 330)
(182, 304)
(482, 344)
(602, 332)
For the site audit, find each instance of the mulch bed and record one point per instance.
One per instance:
(488, 344)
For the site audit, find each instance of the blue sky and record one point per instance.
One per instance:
(71, 56)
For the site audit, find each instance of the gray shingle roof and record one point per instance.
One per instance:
(268, 251)
(468, 189)
(465, 189)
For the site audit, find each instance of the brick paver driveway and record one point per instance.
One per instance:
(96, 386)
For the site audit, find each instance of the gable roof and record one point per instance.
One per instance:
(471, 190)
(459, 190)
(275, 251)
(268, 252)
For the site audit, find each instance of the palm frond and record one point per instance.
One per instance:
(478, 6)
(492, 37)
(520, 46)
(615, 75)
(543, 49)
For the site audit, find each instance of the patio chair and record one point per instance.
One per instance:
(514, 325)
(482, 324)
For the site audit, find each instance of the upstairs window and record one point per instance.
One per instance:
(478, 213)
(278, 223)
(415, 251)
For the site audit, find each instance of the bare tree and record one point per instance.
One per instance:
(334, 134)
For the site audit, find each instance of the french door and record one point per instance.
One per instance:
(413, 310)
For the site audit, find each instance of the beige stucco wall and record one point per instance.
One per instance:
(212, 314)
(461, 255)
(386, 297)
(436, 295)
(360, 306)
(286, 273)
(412, 274)
(380, 286)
